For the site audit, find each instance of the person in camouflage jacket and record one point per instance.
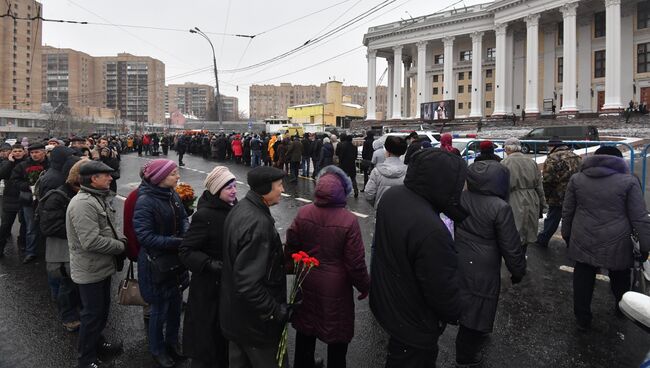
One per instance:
(559, 166)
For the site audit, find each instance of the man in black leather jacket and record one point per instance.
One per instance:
(253, 308)
(10, 204)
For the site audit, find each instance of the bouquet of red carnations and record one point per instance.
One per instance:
(302, 264)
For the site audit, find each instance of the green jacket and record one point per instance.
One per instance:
(559, 166)
(93, 240)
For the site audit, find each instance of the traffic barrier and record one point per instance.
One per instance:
(644, 158)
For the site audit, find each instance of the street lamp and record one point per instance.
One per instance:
(216, 75)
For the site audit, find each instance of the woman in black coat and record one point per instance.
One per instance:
(482, 239)
(202, 252)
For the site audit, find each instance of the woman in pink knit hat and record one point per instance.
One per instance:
(160, 222)
(202, 252)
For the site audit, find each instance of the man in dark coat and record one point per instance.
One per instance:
(482, 239)
(414, 145)
(253, 305)
(181, 148)
(414, 288)
(347, 154)
(294, 155)
(306, 154)
(366, 156)
(10, 193)
(602, 205)
(316, 147)
(487, 152)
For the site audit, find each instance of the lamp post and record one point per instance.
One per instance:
(216, 75)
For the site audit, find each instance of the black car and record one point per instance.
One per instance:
(565, 133)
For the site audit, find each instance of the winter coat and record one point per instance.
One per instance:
(486, 235)
(253, 280)
(271, 148)
(366, 152)
(11, 192)
(379, 154)
(19, 175)
(51, 211)
(331, 233)
(326, 156)
(487, 156)
(160, 222)
(602, 204)
(385, 175)
(559, 166)
(237, 148)
(347, 153)
(54, 177)
(294, 152)
(281, 154)
(306, 147)
(526, 195)
(92, 237)
(414, 284)
(202, 243)
(415, 146)
(316, 150)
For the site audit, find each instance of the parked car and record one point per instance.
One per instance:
(565, 133)
(470, 152)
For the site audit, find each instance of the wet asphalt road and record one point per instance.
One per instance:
(534, 325)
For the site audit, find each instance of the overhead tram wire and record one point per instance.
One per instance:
(300, 18)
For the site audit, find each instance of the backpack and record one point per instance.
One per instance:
(132, 245)
(49, 225)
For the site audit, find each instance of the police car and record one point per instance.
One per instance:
(469, 153)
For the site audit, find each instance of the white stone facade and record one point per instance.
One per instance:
(541, 56)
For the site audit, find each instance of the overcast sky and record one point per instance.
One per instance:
(184, 53)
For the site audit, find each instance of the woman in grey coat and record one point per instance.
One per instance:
(482, 239)
(602, 205)
(389, 173)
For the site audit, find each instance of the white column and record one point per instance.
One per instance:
(397, 82)
(532, 64)
(569, 54)
(421, 78)
(613, 56)
(371, 102)
(448, 73)
(477, 75)
(585, 98)
(389, 92)
(500, 30)
(407, 90)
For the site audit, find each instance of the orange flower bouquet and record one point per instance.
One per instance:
(302, 264)
(186, 193)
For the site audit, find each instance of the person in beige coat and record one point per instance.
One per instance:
(526, 191)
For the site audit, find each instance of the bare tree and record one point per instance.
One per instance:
(242, 115)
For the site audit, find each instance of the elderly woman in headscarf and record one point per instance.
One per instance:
(446, 144)
(526, 191)
(160, 222)
(202, 252)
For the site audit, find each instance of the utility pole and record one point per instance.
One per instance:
(216, 74)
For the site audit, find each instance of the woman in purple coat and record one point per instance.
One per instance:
(329, 232)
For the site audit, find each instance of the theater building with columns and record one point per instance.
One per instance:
(507, 56)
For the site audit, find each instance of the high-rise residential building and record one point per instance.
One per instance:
(190, 98)
(20, 55)
(269, 100)
(135, 85)
(69, 78)
(230, 106)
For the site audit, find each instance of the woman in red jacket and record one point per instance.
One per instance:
(329, 232)
(237, 148)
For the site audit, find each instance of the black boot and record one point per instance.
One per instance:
(164, 360)
(176, 352)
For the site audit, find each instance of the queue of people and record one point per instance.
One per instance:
(442, 229)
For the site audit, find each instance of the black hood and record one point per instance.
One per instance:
(59, 155)
(439, 177)
(210, 200)
(489, 178)
(604, 165)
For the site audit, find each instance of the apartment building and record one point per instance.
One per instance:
(230, 106)
(190, 98)
(20, 56)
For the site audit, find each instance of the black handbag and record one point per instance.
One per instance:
(165, 267)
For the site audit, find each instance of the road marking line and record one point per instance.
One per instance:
(598, 276)
(121, 198)
(306, 177)
(303, 200)
(359, 214)
(285, 195)
(239, 182)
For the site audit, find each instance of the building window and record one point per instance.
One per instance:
(599, 64)
(460, 106)
(491, 53)
(643, 58)
(461, 89)
(560, 70)
(439, 59)
(488, 104)
(599, 24)
(488, 87)
(435, 78)
(488, 73)
(560, 33)
(435, 90)
(469, 105)
(466, 55)
(643, 14)
(469, 88)
(461, 76)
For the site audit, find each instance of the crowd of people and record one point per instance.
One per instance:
(442, 229)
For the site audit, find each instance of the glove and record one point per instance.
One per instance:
(285, 311)
(119, 261)
(642, 257)
(516, 279)
(362, 295)
(214, 266)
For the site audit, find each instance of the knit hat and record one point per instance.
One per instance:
(157, 170)
(217, 179)
(486, 146)
(261, 178)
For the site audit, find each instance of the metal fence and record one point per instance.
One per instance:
(644, 159)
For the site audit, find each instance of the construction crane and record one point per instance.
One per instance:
(383, 75)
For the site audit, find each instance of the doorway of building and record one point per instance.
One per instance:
(601, 100)
(645, 95)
